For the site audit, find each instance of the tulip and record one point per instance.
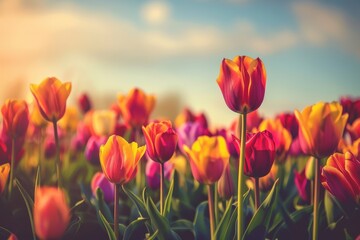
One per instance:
(253, 120)
(354, 130)
(341, 177)
(15, 118)
(119, 159)
(161, 140)
(4, 174)
(259, 154)
(281, 136)
(51, 213)
(302, 185)
(84, 103)
(92, 149)
(51, 95)
(152, 172)
(99, 181)
(225, 186)
(187, 116)
(351, 106)
(242, 82)
(103, 122)
(136, 107)
(70, 120)
(208, 157)
(321, 127)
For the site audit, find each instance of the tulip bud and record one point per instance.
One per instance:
(99, 181)
(92, 149)
(225, 186)
(51, 213)
(84, 102)
(303, 185)
(152, 172)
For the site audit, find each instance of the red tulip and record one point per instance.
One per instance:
(242, 82)
(341, 177)
(51, 213)
(84, 103)
(161, 140)
(225, 186)
(15, 118)
(303, 185)
(259, 153)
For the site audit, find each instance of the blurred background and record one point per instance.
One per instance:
(173, 49)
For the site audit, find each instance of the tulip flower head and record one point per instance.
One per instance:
(321, 127)
(100, 181)
(161, 140)
(341, 177)
(189, 132)
(51, 95)
(242, 82)
(15, 118)
(136, 107)
(208, 158)
(103, 122)
(225, 186)
(119, 159)
(92, 149)
(259, 153)
(4, 174)
(51, 213)
(152, 172)
(302, 185)
(84, 103)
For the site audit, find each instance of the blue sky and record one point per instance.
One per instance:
(173, 49)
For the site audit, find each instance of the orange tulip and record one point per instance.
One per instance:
(103, 122)
(15, 118)
(341, 177)
(51, 213)
(4, 174)
(136, 107)
(321, 127)
(119, 159)
(161, 140)
(51, 95)
(242, 82)
(208, 158)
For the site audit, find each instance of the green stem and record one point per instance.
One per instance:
(116, 215)
(57, 160)
(12, 167)
(139, 175)
(241, 177)
(216, 203)
(211, 211)
(162, 188)
(316, 200)
(257, 193)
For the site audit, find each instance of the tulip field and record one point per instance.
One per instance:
(75, 172)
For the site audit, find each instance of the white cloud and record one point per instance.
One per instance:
(155, 12)
(322, 25)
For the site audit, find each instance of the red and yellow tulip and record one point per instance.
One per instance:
(242, 82)
(119, 159)
(4, 174)
(51, 95)
(15, 118)
(208, 158)
(321, 127)
(136, 107)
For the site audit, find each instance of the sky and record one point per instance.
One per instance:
(173, 49)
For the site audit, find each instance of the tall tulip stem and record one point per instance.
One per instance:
(211, 211)
(216, 204)
(57, 160)
(316, 199)
(241, 177)
(116, 213)
(12, 167)
(162, 188)
(257, 193)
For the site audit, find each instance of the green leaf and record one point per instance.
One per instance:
(77, 204)
(167, 205)
(29, 204)
(224, 222)
(140, 205)
(260, 222)
(107, 225)
(37, 178)
(102, 206)
(201, 223)
(136, 229)
(159, 222)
